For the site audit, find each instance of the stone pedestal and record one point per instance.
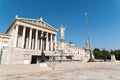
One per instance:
(26, 61)
(43, 65)
(85, 57)
(113, 59)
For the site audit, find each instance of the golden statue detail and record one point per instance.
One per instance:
(62, 33)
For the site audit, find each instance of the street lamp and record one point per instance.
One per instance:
(0, 55)
(42, 59)
(91, 58)
(1, 50)
(61, 55)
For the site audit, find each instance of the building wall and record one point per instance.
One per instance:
(11, 32)
(18, 55)
(21, 42)
(77, 53)
(24, 42)
(4, 40)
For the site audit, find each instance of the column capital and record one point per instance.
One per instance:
(30, 28)
(16, 25)
(36, 29)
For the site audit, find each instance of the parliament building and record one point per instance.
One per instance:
(22, 43)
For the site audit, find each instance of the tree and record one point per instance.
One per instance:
(97, 53)
(117, 54)
(106, 54)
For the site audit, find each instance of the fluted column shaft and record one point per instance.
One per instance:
(30, 38)
(55, 42)
(36, 39)
(41, 40)
(16, 36)
(23, 37)
(51, 42)
(47, 46)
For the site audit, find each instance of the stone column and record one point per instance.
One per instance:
(41, 40)
(33, 39)
(36, 39)
(16, 36)
(51, 42)
(55, 41)
(47, 46)
(27, 39)
(23, 37)
(38, 42)
(30, 38)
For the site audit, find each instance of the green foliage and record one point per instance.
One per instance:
(97, 53)
(101, 54)
(105, 54)
(117, 54)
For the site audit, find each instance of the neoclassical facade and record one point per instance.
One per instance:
(22, 43)
(25, 41)
(26, 33)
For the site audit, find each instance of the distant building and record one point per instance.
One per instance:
(22, 44)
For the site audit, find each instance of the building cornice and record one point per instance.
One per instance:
(25, 20)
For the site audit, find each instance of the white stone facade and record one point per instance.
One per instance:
(70, 51)
(24, 37)
(75, 52)
(22, 43)
(5, 40)
(26, 34)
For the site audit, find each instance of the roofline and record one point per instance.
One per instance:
(16, 18)
(38, 20)
(4, 34)
(37, 25)
(10, 25)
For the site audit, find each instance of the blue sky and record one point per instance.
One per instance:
(103, 18)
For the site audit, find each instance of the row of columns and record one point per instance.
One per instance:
(34, 39)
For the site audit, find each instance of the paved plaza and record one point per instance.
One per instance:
(62, 71)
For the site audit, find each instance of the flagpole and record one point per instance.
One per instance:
(91, 58)
(38, 16)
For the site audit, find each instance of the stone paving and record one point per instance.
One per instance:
(62, 71)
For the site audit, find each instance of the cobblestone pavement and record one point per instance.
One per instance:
(86, 71)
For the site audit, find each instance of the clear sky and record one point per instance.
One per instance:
(103, 18)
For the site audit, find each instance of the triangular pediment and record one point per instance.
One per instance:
(39, 23)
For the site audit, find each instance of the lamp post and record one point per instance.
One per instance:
(0, 55)
(91, 58)
(1, 50)
(42, 59)
(61, 55)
